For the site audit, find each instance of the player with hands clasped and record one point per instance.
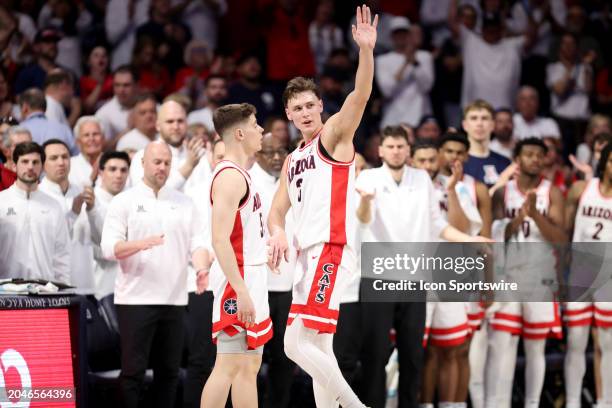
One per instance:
(238, 278)
(317, 182)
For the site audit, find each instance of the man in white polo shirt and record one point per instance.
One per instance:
(265, 174)
(114, 113)
(527, 123)
(152, 230)
(33, 233)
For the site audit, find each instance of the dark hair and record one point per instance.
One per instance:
(454, 137)
(393, 131)
(503, 110)
(58, 76)
(603, 137)
(26, 148)
(214, 76)
(229, 115)
(141, 97)
(530, 141)
(422, 144)
(298, 85)
(127, 69)
(603, 160)
(106, 156)
(34, 98)
(53, 142)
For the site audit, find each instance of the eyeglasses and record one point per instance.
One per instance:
(9, 120)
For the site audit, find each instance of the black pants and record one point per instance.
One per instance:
(201, 349)
(408, 319)
(347, 340)
(155, 332)
(280, 368)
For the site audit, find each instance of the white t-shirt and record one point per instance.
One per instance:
(55, 111)
(406, 100)
(157, 276)
(575, 105)
(34, 237)
(414, 195)
(133, 140)
(114, 117)
(490, 71)
(539, 127)
(203, 116)
(267, 185)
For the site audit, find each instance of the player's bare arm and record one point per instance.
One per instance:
(339, 130)
(551, 225)
(228, 189)
(571, 205)
(456, 215)
(201, 261)
(499, 213)
(484, 204)
(124, 249)
(277, 244)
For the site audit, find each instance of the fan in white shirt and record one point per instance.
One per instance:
(503, 133)
(186, 154)
(527, 123)
(216, 92)
(114, 113)
(33, 233)
(90, 140)
(144, 115)
(114, 169)
(72, 199)
(59, 90)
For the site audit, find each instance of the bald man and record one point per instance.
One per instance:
(153, 230)
(186, 152)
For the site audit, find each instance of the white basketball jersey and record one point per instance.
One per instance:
(322, 197)
(247, 237)
(594, 216)
(513, 201)
(466, 192)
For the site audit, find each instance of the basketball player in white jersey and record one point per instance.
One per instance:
(588, 216)
(238, 278)
(317, 182)
(466, 205)
(531, 210)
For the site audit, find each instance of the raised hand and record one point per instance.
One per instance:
(582, 167)
(364, 29)
(366, 195)
(456, 175)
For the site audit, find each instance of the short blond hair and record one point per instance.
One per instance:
(478, 104)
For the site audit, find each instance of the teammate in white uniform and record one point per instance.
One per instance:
(33, 231)
(466, 204)
(238, 277)
(317, 183)
(589, 214)
(532, 211)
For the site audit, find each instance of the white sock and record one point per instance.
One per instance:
(313, 353)
(498, 346)
(504, 384)
(575, 364)
(477, 358)
(605, 343)
(535, 369)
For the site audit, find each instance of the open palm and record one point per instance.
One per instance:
(364, 30)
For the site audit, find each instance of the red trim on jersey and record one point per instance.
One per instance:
(503, 327)
(578, 311)
(587, 321)
(330, 255)
(603, 311)
(237, 240)
(337, 215)
(448, 330)
(248, 196)
(259, 339)
(314, 324)
(542, 336)
(335, 162)
(508, 316)
(536, 187)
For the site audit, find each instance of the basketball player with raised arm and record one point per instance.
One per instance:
(317, 182)
(238, 277)
(588, 216)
